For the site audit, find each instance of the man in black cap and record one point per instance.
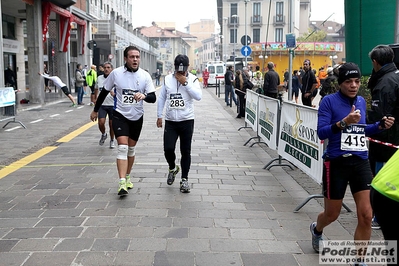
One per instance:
(342, 120)
(178, 92)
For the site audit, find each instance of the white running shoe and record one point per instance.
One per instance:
(112, 144)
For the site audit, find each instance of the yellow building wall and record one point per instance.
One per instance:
(318, 54)
(281, 62)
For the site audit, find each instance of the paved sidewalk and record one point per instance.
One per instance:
(63, 208)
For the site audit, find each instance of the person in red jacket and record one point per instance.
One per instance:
(205, 77)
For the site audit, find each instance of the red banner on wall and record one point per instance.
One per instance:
(66, 18)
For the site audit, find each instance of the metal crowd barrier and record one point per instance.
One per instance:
(8, 109)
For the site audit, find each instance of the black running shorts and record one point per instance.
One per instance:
(338, 172)
(125, 127)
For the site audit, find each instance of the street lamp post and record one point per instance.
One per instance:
(224, 39)
(246, 36)
(234, 39)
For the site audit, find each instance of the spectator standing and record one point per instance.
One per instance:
(84, 73)
(330, 85)
(286, 78)
(322, 75)
(132, 85)
(79, 83)
(258, 73)
(316, 90)
(241, 92)
(258, 83)
(10, 78)
(178, 93)
(106, 108)
(205, 77)
(250, 73)
(242, 83)
(345, 162)
(157, 77)
(308, 82)
(296, 86)
(228, 86)
(384, 87)
(271, 81)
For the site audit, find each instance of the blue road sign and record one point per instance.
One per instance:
(290, 40)
(246, 50)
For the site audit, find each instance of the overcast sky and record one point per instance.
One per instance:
(184, 12)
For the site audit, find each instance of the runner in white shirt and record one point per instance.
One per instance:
(132, 85)
(58, 83)
(178, 93)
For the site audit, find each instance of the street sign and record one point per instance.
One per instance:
(246, 50)
(290, 40)
(243, 40)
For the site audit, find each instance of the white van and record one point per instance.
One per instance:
(216, 70)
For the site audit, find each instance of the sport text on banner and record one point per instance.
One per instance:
(298, 140)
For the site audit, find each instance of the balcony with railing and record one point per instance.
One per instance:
(279, 20)
(256, 20)
(233, 21)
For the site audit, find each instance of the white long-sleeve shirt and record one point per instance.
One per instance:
(179, 99)
(56, 80)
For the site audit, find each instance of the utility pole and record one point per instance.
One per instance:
(224, 39)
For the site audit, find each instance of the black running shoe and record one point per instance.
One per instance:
(172, 175)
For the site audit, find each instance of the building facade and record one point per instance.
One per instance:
(256, 32)
(62, 33)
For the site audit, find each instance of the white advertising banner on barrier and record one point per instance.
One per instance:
(251, 109)
(7, 96)
(267, 121)
(298, 141)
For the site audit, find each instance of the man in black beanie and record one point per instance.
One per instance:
(342, 120)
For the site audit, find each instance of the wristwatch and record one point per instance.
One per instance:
(342, 124)
(185, 83)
